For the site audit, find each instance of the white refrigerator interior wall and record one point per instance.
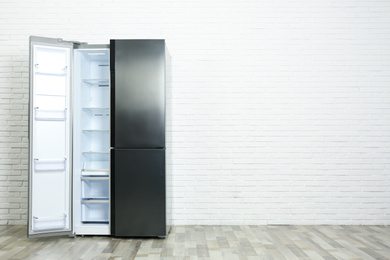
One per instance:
(279, 111)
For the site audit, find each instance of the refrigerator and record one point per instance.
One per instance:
(97, 155)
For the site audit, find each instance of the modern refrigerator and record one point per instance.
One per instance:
(97, 138)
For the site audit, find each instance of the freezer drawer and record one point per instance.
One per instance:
(95, 187)
(138, 202)
(95, 211)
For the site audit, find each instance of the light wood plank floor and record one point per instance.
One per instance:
(209, 242)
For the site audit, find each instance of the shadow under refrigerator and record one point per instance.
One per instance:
(97, 138)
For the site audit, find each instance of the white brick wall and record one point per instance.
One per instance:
(279, 112)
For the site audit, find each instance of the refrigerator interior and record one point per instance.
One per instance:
(50, 134)
(91, 146)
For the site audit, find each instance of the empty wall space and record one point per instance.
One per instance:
(278, 113)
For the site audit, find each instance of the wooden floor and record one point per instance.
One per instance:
(209, 242)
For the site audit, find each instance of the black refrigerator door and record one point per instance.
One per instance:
(138, 193)
(137, 93)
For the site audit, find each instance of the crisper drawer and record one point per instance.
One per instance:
(95, 211)
(95, 187)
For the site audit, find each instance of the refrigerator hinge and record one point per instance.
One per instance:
(74, 42)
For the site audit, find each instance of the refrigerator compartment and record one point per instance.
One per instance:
(95, 211)
(49, 114)
(95, 187)
(48, 223)
(49, 164)
(96, 95)
(96, 121)
(97, 61)
(96, 142)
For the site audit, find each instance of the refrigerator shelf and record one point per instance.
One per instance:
(94, 178)
(100, 110)
(98, 82)
(95, 200)
(94, 222)
(95, 172)
(95, 131)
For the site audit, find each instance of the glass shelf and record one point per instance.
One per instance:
(95, 200)
(95, 178)
(98, 82)
(95, 172)
(96, 109)
(95, 131)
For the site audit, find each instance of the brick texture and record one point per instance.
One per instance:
(279, 111)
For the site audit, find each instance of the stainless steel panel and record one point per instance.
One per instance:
(138, 93)
(138, 206)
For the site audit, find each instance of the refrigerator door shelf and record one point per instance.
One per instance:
(48, 71)
(61, 74)
(49, 164)
(48, 223)
(49, 114)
